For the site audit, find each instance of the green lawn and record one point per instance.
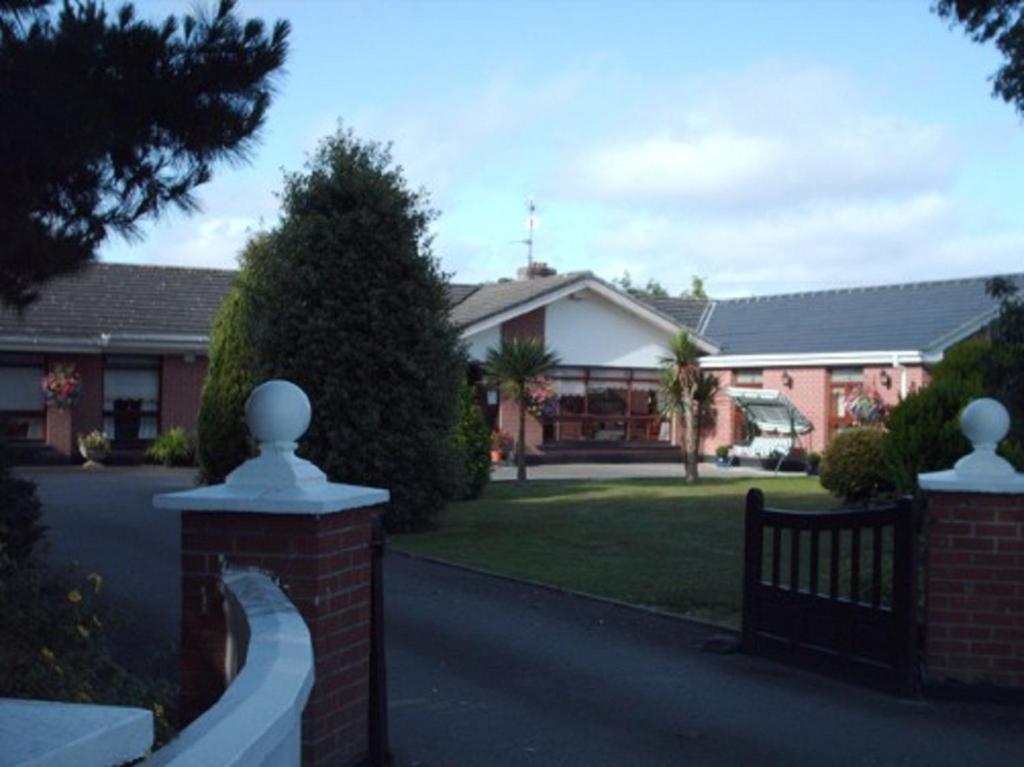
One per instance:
(647, 541)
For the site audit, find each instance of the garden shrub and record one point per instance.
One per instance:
(852, 467)
(223, 441)
(472, 442)
(53, 646)
(924, 430)
(347, 301)
(174, 447)
(20, 526)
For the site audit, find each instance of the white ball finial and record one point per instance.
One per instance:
(277, 411)
(985, 422)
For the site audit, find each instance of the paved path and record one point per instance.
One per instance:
(484, 671)
(487, 672)
(630, 471)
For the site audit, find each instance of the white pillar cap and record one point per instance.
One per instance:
(985, 422)
(277, 480)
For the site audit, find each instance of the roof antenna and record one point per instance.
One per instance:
(528, 242)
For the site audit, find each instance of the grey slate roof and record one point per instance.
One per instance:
(688, 312)
(457, 293)
(123, 299)
(918, 316)
(496, 297)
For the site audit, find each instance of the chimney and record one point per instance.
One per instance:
(534, 270)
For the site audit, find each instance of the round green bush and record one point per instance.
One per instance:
(852, 466)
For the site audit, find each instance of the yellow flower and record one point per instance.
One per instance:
(82, 631)
(74, 596)
(48, 655)
(96, 580)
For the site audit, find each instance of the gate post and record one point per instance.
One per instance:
(278, 513)
(975, 588)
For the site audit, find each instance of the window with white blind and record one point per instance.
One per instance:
(22, 406)
(131, 398)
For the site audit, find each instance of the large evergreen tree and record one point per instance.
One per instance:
(109, 119)
(347, 301)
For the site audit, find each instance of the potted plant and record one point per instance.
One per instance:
(722, 455)
(813, 459)
(501, 446)
(94, 447)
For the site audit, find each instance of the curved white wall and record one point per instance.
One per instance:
(586, 329)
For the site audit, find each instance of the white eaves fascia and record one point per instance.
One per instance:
(122, 342)
(625, 302)
(817, 359)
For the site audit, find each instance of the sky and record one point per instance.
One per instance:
(768, 147)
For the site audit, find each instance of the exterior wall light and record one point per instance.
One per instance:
(787, 379)
(886, 379)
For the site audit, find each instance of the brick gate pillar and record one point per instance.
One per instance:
(278, 513)
(975, 587)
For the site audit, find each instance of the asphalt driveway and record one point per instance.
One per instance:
(485, 671)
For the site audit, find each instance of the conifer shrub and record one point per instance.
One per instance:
(223, 441)
(472, 442)
(346, 300)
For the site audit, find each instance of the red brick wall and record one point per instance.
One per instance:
(810, 394)
(181, 388)
(975, 610)
(508, 421)
(323, 565)
(63, 427)
(529, 325)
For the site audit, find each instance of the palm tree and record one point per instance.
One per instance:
(685, 389)
(513, 366)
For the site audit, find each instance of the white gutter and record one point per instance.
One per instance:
(137, 342)
(819, 359)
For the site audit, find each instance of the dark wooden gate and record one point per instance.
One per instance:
(833, 591)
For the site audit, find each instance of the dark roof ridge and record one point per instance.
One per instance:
(869, 288)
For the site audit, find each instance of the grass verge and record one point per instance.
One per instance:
(655, 542)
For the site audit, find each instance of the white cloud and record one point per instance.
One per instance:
(766, 138)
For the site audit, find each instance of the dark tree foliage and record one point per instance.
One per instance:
(348, 302)
(1004, 368)
(223, 441)
(472, 441)
(108, 119)
(1001, 21)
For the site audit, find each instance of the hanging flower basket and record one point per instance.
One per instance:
(865, 407)
(62, 386)
(543, 400)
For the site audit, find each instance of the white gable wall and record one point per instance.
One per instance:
(479, 343)
(586, 329)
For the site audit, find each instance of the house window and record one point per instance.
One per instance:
(131, 398)
(744, 430)
(22, 407)
(605, 405)
(842, 383)
(749, 377)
